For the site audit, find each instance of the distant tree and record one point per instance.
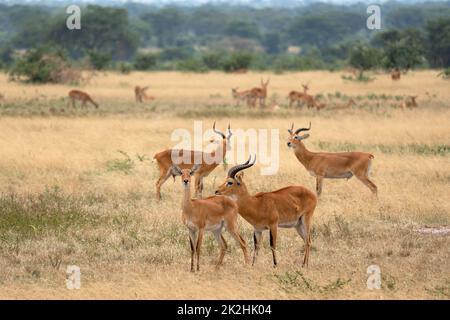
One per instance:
(144, 61)
(104, 29)
(272, 42)
(100, 60)
(238, 60)
(41, 65)
(324, 29)
(242, 29)
(402, 49)
(438, 33)
(364, 58)
(167, 23)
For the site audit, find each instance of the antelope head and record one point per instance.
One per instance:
(305, 88)
(225, 139)
(295, 138)
(265, 84)
(234, 186)
(185, 174)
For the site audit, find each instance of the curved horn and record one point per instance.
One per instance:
(229, 132)
(291, 129)
(303, 129)
(217, 131)
(232, 172)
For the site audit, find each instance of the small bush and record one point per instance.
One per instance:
(145, 61)
(238, 60)
(100, 60)
(44, 65)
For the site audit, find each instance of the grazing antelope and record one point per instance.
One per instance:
(82, 96)
(410, 102)
(164, 160)
(261, 93)
(244, 95)
(297, 96)
(395, 74)
(341, 165)
(141, 95)
(210, 214)
(289, 207)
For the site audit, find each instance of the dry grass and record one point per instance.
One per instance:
(69, 197)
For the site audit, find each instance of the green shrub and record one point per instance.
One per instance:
(43, 65)
(100, 60)
(238, 60)
(145, 61)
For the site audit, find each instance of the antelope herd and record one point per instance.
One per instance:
(289, 207)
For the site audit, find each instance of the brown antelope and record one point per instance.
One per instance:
(210, 214)
(341, 165)
(289, 207)
(297, 96)
(244, 95)
(81, 96)
(261, 93)
(164, 160)
(410, 102)
(395, 74)
(141, 95)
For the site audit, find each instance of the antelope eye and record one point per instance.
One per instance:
(229, 183)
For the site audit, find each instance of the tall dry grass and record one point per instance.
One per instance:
(80, 190)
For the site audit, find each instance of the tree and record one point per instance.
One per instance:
(438, 33)
(401, 49)
(242, 29)
(167, 24)
(364, 58)
(272, 42)
(144, 61)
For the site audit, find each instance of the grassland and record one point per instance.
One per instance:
(77, 187)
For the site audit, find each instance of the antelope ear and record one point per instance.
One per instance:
(305, 136)
(176, 171)
(194, 168)
(239, 177)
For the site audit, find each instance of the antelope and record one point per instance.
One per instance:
(210, 214)
(82, 96)
(296, 95)
(395, 74)
(289, 207)
(242, 95)
(261, 93)
(410, 102)
(140, 94)
(341, 165)
(164, 160)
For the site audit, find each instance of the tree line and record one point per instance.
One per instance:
(220, 37)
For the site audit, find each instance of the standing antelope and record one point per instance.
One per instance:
(164, 160)
(210, 214)
(289, 207)
(395, 74)
(410, 102)
(141, 95)
(342, 165)
(261, 93)
(297, 96)
(244, 95)
(82, 96)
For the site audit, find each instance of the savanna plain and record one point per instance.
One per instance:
(77, 188)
